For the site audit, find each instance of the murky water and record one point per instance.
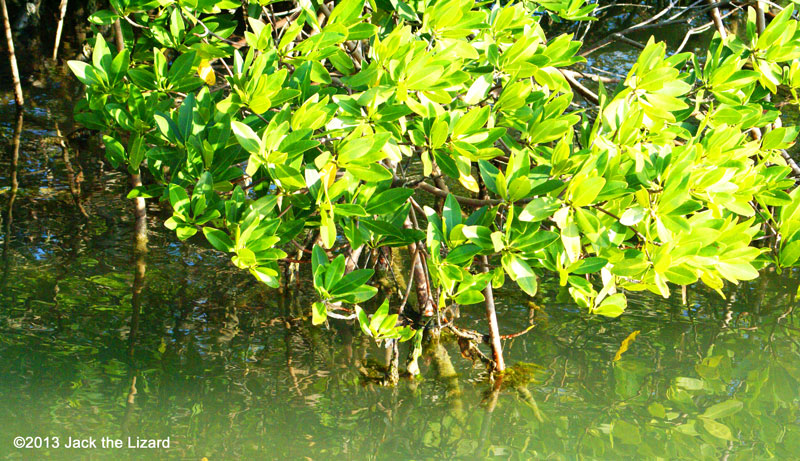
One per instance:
(176, 344)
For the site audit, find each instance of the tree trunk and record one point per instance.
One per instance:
(494, 329)
(59, 27)
(12, 57)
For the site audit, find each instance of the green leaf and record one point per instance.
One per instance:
(734, 271)
(101, 56)
(266, 275)
(404, 11)
(587, 190)
(716, 429)
(626, 432)
(528, 284)
(351, 281)
(318, 257)
(168, 128)
(519, 271)
(319, 74)
(389, 325)
(479, 89)
(371, 174)
(143, 78)
(632, 216)
(780, 138)
(479, 235)
(612, 306)
(346, 12)
(218, 239)
(363, 150)
(184, 232)
(530, 242)
(363, 321)
(379, 316)
(319, 313)
(247, 138)
(589, 265)
(119, 66)
(469, 297)
(388, 201)
(723, 409)
(349, 209)
(539, 209)
(103, 17)
(790, 253)
(462, 253)
(245, 258)
(334, 272)
(327, 229)
(439, 133)
(151, 191)
(181, 67)
(451, 213)
(471, 121)
(84, 72)
(115, 153)
(179, 199)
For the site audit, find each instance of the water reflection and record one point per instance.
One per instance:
(13, 186)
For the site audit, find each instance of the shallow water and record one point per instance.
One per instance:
(99, 341)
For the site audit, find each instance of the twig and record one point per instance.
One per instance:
(206, 31)
(477, 203)
(647, 24)
(519, 333)
(592, 77)
(134, 23)
(588, 94)
(638, 234)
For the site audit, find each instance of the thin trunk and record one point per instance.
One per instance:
(419, 272)
(424, 302)
(761, 20)
(120, 40)
(438, 179)
(140, 213)
(139, 204)
(59, 27)
(761, 24)
(494, 329)
(718, 21)
(12, 57)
